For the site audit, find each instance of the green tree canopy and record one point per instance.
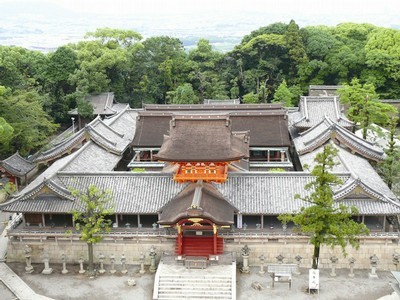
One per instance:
(327, 222)
(91, 219)
(184, 94)
(283, 95)
(364, 108)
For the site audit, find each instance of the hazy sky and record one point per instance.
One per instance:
(50, 23)
(298, 7)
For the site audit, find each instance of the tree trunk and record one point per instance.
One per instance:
(316, 256)
(90, 258)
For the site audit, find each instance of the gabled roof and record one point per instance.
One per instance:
(198, 200)
(114, 134)
(313, 109)
(103, 104)
(16, 165)
(363, 180)
(327, 130)
(63, 147)
(200, 138)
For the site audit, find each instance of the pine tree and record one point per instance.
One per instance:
(327, 222)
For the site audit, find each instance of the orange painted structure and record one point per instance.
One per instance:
(206, 171)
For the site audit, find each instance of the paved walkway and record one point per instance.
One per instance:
(15, 284)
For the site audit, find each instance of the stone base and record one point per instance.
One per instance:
(29, 269)
(124, 271)
(113, 271)
(373, 276)
(82, 271)
(261, 272)
(333, 274)
(142, 271)
(245, 270)
(47, 271)
(102, 271)
(131, 282)
(65, 271)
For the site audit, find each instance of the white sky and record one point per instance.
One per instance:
(298, 7)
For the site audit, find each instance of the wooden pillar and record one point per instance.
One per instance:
(23, 220)
(138, 221)
(384, 224)
(363, 219)
(116, 219)
(43, 221)
(215, 231)
(239, 220)
(179, 239)
(262, 221)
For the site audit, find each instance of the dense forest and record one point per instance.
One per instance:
(273, 63)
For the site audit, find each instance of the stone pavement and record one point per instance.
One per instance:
(12, 281)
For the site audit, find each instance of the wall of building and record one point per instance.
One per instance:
(384, 249)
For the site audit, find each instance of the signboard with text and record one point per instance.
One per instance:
(313, 281)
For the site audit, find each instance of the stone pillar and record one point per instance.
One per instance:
(81, 270)
(352, 260)
(262, 261)
(28, 252)
(245, 255)
(112, 260)
(298, 258)
(64, 264)
(280, 258)
(152, 255)
(123, 262)
(374, 262)
(141, 259)
(396, 259)
(334, 260)
(47, 270)
(101, 260)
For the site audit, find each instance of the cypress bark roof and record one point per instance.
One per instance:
(266, 128)
(201, 138)
(198, 200)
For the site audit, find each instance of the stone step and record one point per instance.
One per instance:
(178, 286)
(193, 296)
(184, 280)
(188, 290)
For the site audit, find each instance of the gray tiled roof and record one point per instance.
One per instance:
(92, 158)
(313, 109)
(363, 175)
(250, 193)
(222, 102)
(103, 104)
(63, 147)
(17, 165)
(114, 134)
(327, 130)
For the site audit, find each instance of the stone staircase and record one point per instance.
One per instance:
(177, 282)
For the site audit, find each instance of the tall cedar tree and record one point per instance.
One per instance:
(364, 108)
(390, 167)
(90, 220)
(328, 222)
